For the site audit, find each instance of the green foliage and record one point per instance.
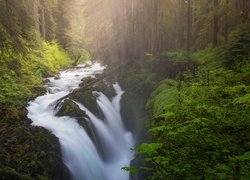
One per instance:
(200, 124)
(149, 149)
(141, 78)
(161, 99)
(21, 72)
(208, 55)
(27, 152)
(176, 55)
(79, 55)
(238, 47)
(132, 170)
(53, 58)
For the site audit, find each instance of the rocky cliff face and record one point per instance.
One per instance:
(28, 152)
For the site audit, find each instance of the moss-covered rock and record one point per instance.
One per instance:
(86, 97)
(106, 87)
(28, 152)
(69, 108)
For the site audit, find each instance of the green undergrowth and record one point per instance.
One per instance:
(180, 55)
(22, 70)
(27, 152)
(202, 127)
(199, 121)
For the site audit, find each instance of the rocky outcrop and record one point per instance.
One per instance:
(71, 109)
(29, 152)
(86, 97)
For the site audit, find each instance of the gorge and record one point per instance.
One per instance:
(84, 158)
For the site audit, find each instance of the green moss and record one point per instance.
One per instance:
(69, 108)
(22, 71)
(163, 97)
(28, 152)
(175, 55)
(9, 173)
(203, 125)
(86, 98)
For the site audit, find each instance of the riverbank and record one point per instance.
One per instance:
(27, 152)
(199, 120)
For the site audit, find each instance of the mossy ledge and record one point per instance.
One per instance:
(29, 152)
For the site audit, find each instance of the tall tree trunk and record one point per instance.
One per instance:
(140, 30)
(43, 30)
(215, 24)
(7, 4)
(130, 28)
(180, 24)
(154, 12)
(123, 31)
(134, 29)
(245, 11)
(236, 12)
(226, 21)
(36, 14)
(189, 24)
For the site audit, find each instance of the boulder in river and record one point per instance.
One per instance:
(71, 109)
(45, 81)
(56, 77)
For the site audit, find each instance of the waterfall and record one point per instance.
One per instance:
(79, 153)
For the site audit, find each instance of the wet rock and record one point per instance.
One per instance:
(96, 94)
(53, 90)
(56, 77)
(71, 109)
(106, 87)
(45, 81)
(85, 96)
(86, 80)
(29, 152)
(87, 65)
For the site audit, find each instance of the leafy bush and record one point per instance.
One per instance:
(200, 127)
(209, 55)
(176, 55)
(79, 55)
(238, 47)
(21, 72)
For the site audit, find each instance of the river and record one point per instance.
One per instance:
(79, 153)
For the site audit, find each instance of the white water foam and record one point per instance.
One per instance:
(79, 153)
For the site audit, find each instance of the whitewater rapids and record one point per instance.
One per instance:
(79, 153)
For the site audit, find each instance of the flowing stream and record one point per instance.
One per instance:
(80, 154)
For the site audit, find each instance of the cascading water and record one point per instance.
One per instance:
(80, 153)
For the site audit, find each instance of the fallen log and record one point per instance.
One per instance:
(101, 77)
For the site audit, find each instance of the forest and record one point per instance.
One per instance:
(184, 69)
